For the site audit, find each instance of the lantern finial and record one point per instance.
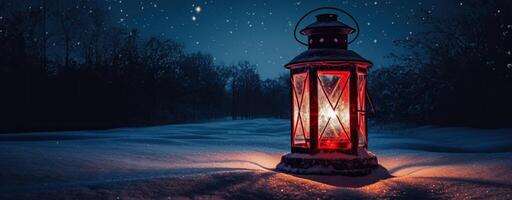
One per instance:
(327, 21)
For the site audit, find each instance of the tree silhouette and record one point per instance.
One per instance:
(457, 72)
(87, 74)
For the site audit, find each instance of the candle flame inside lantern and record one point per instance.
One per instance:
(333, 115)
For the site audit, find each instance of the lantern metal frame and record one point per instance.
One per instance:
(328, 55)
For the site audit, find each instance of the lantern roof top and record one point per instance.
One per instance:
(327, 21)
(327, 42)
(329, 54)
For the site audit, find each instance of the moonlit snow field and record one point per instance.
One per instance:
(235, 159)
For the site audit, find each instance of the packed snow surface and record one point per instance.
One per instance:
(235, 159)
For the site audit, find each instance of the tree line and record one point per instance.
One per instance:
(456, 72)
(69, 68)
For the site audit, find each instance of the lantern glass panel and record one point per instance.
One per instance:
(300, 110)
(361, 107)
(333, 110)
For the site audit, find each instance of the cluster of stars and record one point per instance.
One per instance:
(197, 10)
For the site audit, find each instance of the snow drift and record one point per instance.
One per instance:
(234, 159)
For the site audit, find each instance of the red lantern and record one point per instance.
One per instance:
(328, 122)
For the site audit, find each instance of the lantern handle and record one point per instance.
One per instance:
(325, 8)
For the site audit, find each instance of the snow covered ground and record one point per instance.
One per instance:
(231, 159)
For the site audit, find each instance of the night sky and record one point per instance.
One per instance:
(261, 31)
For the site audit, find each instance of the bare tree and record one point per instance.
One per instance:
(69, 21)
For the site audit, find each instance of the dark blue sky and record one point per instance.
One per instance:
(261, 31)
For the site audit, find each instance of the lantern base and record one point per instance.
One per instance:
(329, 163)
